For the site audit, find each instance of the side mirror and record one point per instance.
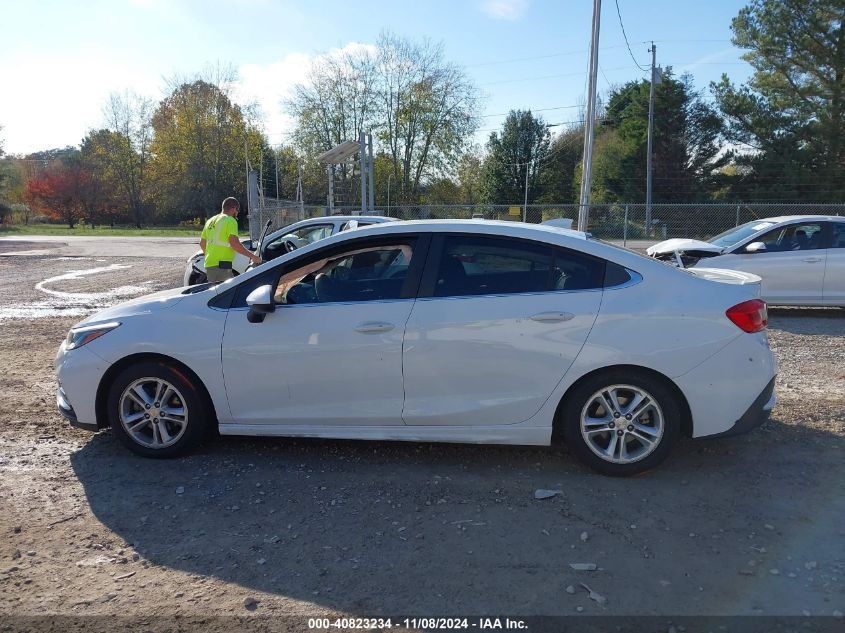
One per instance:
(260, 302)
(755, 247)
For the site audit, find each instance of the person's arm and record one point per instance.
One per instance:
(235, 243)
(202, 245)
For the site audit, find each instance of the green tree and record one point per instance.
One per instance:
(788, 119)
(5, 166)
(199, 145)
(557, 178)
(442, 191)
(513, 155)
(686, 144)
(470, 174)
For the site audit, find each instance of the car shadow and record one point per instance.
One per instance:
(384, 528)
(812, 321)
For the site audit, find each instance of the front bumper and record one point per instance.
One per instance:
(78, 373)
(65, 408)
(755, 415)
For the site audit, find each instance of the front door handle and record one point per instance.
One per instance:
(370, 327)
(552, 317)
(811, 260)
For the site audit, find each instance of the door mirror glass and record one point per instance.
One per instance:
(755, 247)
(260, 302)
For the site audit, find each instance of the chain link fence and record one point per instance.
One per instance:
(617, 222)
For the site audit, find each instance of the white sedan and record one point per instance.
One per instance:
(283, 241)
(800, 258)
(448, 331)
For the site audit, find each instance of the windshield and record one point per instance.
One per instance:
(731, 237)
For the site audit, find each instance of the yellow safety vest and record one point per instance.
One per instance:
(216, 234)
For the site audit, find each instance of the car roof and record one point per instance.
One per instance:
(477, 226)
(346, 218)
(800, 218)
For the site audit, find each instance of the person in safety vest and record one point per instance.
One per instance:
(219, 241)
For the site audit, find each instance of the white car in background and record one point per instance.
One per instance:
(800, 258)
(445, 331)
(283, 240)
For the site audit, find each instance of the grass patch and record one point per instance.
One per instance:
(102, 231)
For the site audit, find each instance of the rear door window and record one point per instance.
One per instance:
(481, 265)
(793, 237)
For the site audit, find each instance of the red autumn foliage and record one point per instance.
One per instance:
(59, 192)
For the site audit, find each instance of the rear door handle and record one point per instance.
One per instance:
(373, 327)
(811, 260)
(552, 317)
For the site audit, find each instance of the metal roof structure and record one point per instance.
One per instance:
(340, 153)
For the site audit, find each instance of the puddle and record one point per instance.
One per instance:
(88, 297)
(43, 310)
(63, 304)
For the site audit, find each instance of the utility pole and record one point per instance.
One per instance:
(276, 161)
(370, 173)
(389, 176)
(362, 142)
(587, 171)
(246, 165)
(525, 205)
(650, 134)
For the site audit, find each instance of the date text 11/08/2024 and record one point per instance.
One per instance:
(425, 623)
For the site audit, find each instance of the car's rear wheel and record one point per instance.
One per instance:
(156, 411)
(620, 423)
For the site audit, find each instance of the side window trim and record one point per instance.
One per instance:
(273, 274)
(428, 279)
(411, 281)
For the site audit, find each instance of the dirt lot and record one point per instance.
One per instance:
(741, 526)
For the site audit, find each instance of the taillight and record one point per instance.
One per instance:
(749, 316)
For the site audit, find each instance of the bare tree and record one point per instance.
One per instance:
(427, 109)
(336, 104)
(421, 108)
(129, 117)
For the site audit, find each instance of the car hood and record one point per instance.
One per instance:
(682, 244)
(142, 305)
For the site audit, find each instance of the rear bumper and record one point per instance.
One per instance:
(730, 386)
(756, 414)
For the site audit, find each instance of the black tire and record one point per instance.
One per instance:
(582, 396)
(198, 416)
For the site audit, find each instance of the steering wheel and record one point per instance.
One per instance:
(289, 246)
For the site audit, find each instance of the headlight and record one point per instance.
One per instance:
(77, 337)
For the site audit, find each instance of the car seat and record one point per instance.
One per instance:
(452, 278)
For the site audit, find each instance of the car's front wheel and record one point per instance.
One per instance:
(156, 411)
(621, 423)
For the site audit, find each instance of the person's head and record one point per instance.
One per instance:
(231, 206)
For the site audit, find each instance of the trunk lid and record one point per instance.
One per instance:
(721, 275)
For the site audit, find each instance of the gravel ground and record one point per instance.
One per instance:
(739, 526)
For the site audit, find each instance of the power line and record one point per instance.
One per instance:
(573, 74)
(535, 57)
(567, 107)
(619, 13)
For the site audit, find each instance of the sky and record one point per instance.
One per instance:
(60, 59)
